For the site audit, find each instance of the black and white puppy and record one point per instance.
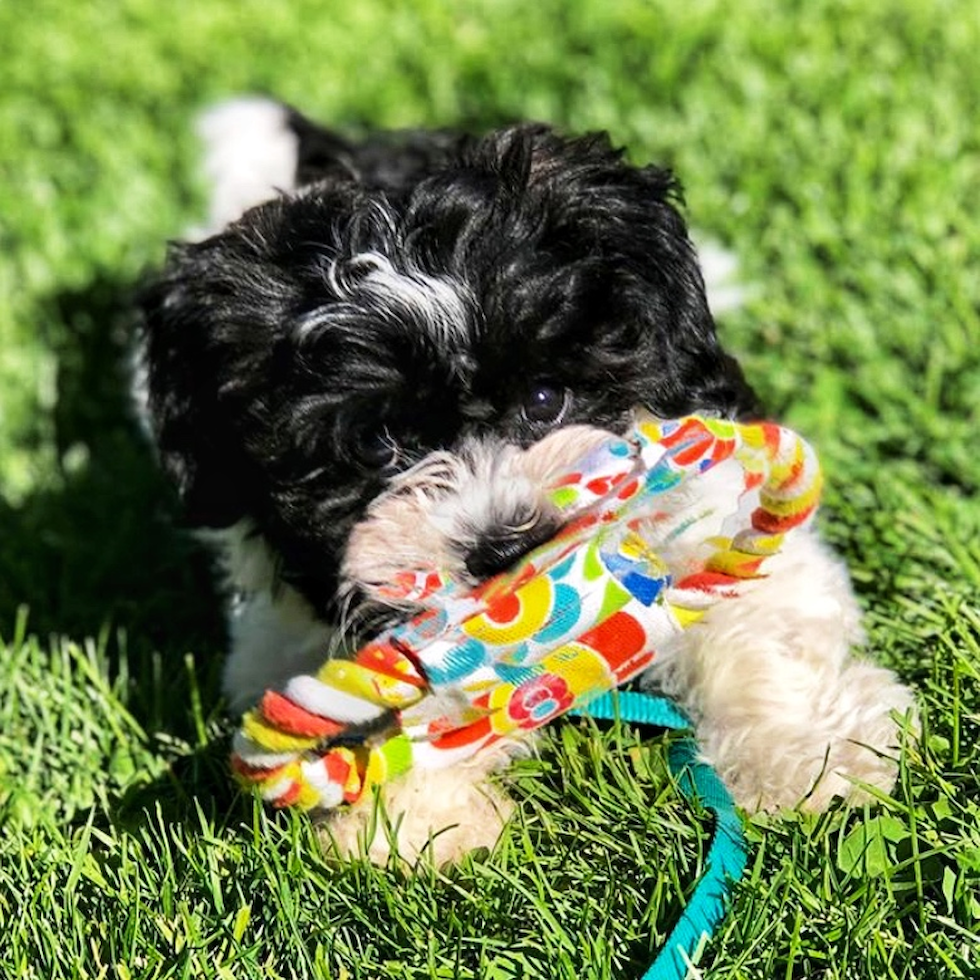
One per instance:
(378, 356)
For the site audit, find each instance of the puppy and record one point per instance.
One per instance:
(377, 357)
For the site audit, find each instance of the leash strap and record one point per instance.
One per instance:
(699, 783)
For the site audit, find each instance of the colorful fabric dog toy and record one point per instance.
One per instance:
(560, 632)
(576, 618)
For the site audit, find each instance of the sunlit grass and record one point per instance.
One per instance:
(833, 147)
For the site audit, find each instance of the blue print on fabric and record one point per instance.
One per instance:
(566, 608)
(514, 673)
(461, 661)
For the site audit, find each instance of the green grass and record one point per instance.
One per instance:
(832, 145)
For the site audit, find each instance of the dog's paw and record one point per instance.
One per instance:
(872, 712)
(433, 815)
(846, 747)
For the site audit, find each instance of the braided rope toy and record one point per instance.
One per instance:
(574, 620)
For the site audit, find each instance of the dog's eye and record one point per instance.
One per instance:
(545, 405)
(376, 449)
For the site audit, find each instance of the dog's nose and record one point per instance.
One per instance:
(500, 548)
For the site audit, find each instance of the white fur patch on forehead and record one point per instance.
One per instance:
(440, 303)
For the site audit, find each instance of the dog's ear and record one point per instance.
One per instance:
(635, 216)
(618, 235)
(680, 329)
(321, 154)
(390, 161)
(194, 351)
(704, 376)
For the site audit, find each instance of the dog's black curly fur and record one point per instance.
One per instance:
(286, 385)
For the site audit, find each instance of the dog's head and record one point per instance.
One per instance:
(382, 371)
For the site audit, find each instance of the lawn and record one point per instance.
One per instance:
(833, 146)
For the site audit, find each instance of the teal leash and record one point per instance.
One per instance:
(699, 783)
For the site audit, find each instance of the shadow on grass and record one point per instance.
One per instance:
(194, 783)
(100, 551)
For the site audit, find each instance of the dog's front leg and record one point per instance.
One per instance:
(784, 709)
(427, 814)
